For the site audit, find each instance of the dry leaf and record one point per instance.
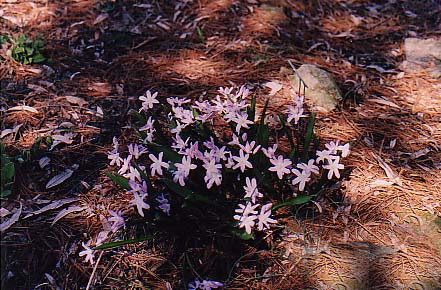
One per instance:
(4, 212)
(163, 26)
(419, 153)
(380, 183)
(66, 125)
(392, 143)
(77, 101)
(23, 108)
(275, 87)
(100, 18)
(389, 172)
(60, 178)
(5, 133)
(43, 161)
(58, 139)
(52, 281)
(67, 211)
(384, 102)
(37, 89)
(99, 112)
(51, 206)
(7, 224)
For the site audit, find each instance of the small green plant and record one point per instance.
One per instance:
(27, 51)
(3, 39)
(7, 173)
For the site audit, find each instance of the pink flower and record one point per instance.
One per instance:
(280, 166)
(333, 168)
(301, 179)
(242, 161)
(88, 252)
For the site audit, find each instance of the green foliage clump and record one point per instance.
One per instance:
(25, 50)
(7, 173)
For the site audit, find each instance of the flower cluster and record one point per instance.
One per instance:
(236, 164)
(248, 213)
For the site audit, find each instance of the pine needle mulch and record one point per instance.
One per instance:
(378, 229)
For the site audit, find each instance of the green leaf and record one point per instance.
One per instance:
(18, 50)
(285, 128)
(29, 50)
(185, 192)
(120, 180)
(38, 44)
(5, 192)
(263, 130)
(8, 171)
(169, 154)
(301, 199)
(3, 39)
(252, 109)
(308, 137)
(180, 190)
(38, 58)
(242, 234)
(112, 245)
(200, 34)
(293, 154)
(139, 117)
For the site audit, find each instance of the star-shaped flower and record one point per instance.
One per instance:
(270, 151)
(148, 101)
(294, 113)
(117, 220)
(324, 155)
(250, 147)
(114, 158)
(157, 164)
(211, 167)
(264, 217)
(241, 121)
(280, 166)
(138, 187)
(332, 147)
(88, 252)
(344, 149)
(247, 217)
(164, 204)
(185, 166)
(126, 165)
(136, 150)
(310, 167)
(251, 190)
(333, 167)
(242, 161)
(148, 125)
(139, 202)
(213, 179)
(301, 179)
(133, 174)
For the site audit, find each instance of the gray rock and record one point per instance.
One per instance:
(322, 93)
(423, 54)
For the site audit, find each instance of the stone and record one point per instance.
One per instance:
(322, 92)
(423, 54)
